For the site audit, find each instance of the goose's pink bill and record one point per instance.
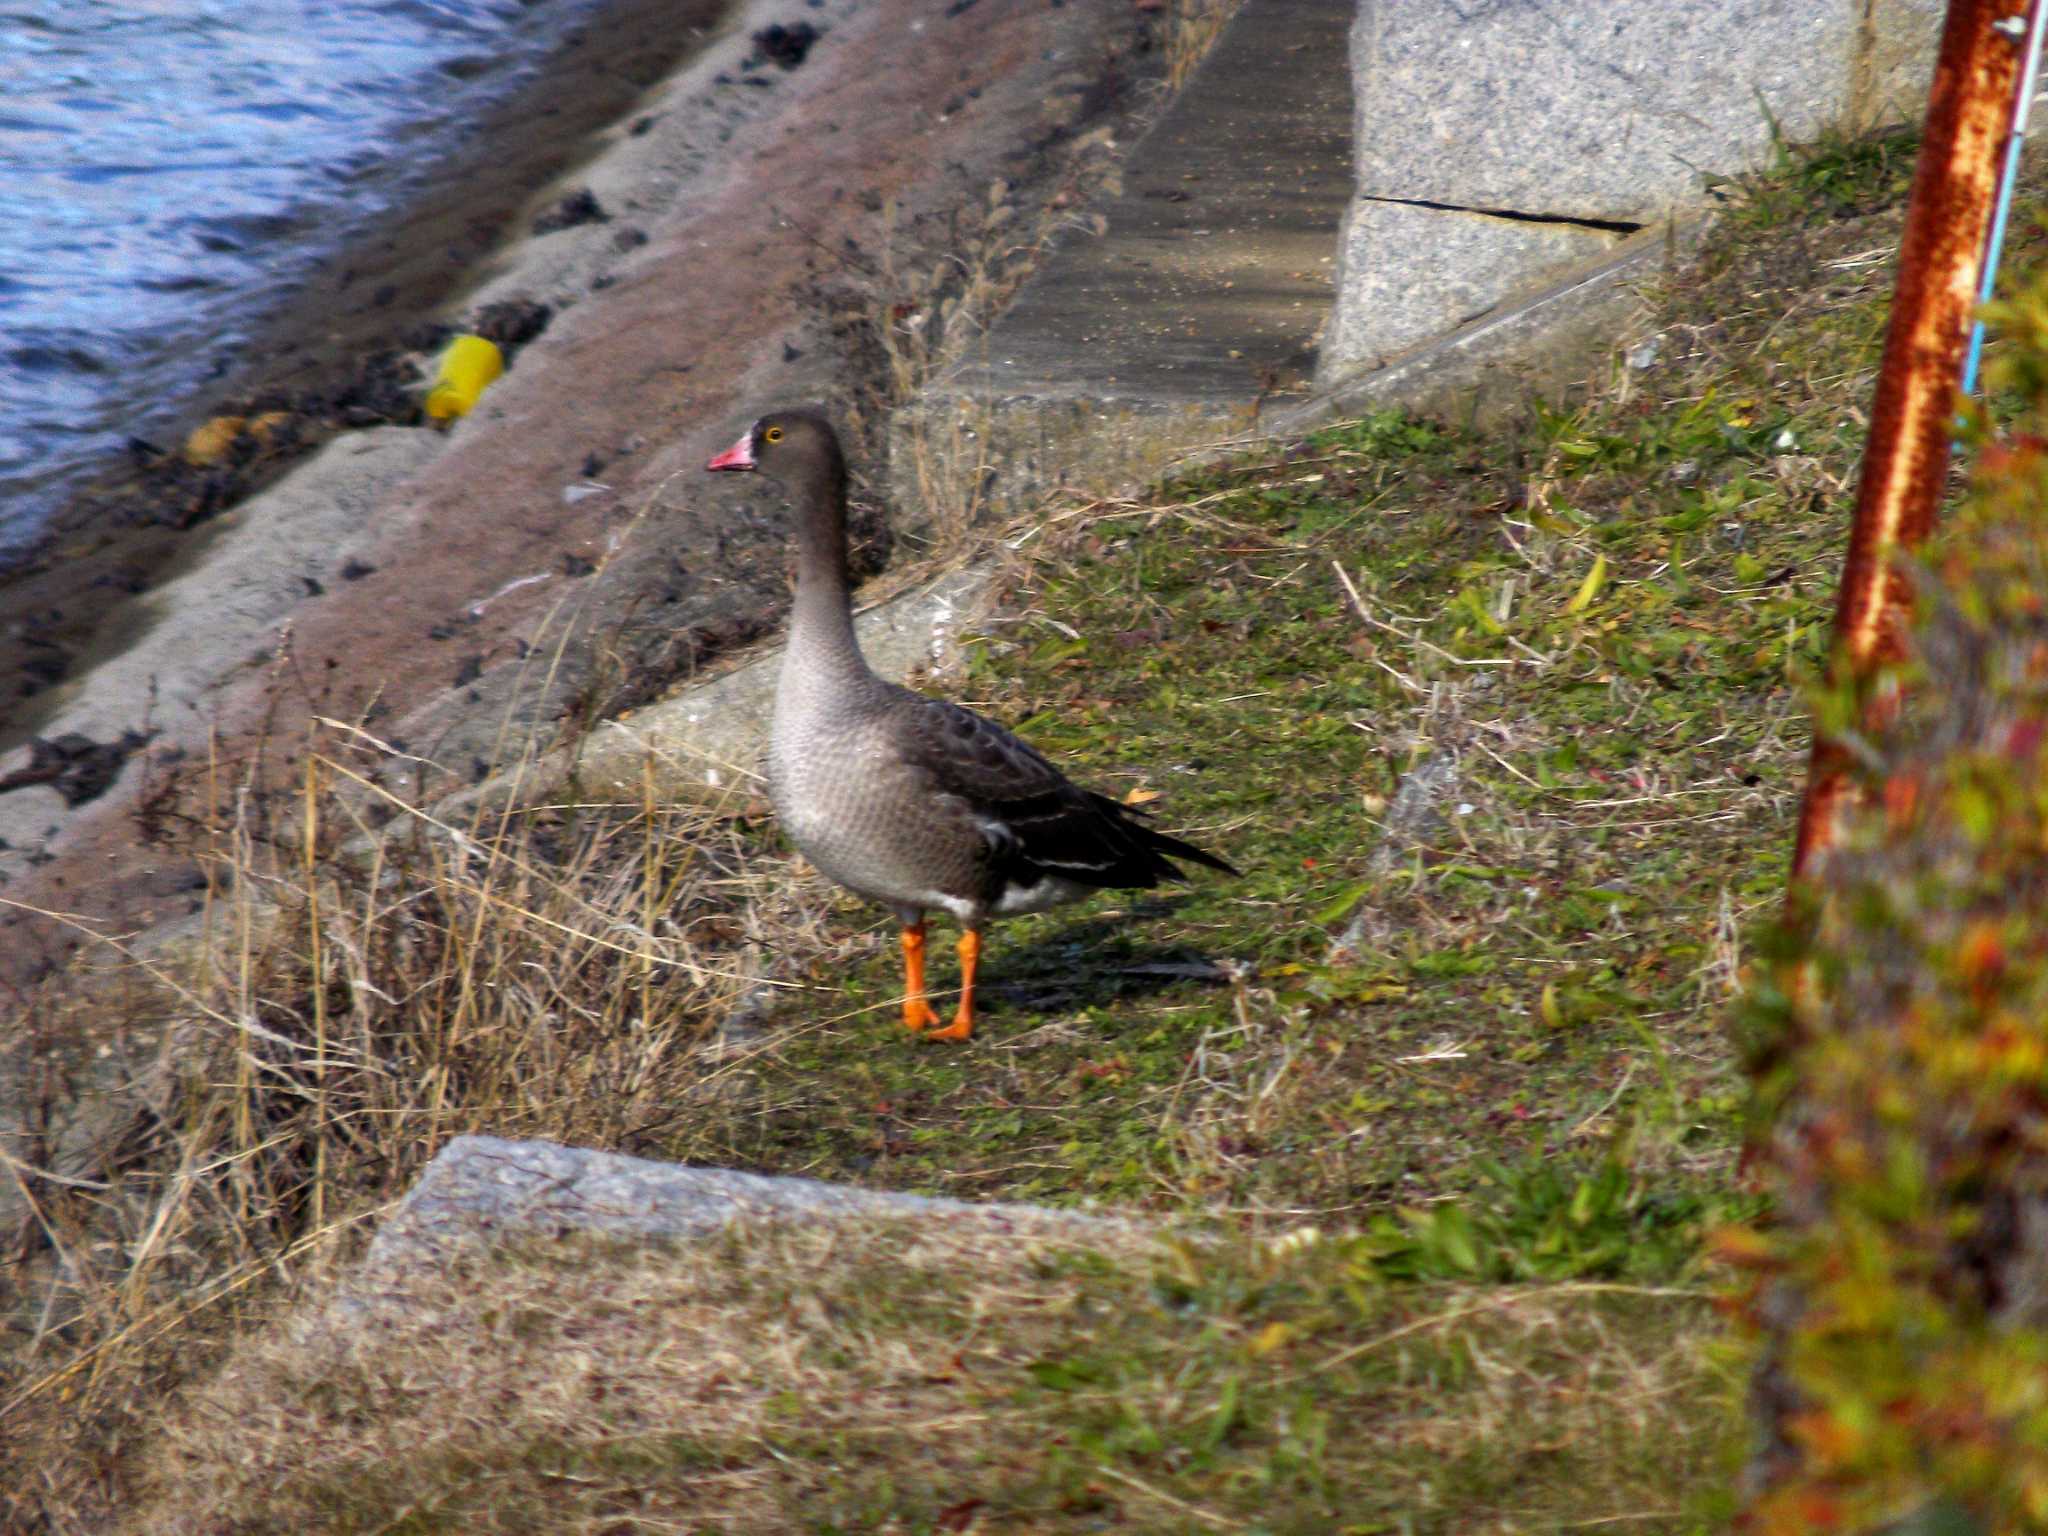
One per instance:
(739, 456)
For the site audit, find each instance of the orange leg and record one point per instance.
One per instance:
(917, 1012)
(963, 1021)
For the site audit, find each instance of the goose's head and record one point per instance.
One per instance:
(792, 446)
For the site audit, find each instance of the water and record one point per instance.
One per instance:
(163, 162)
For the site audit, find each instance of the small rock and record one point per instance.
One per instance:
(579, 207)
(786, 46)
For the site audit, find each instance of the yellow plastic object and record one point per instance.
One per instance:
(462, 372)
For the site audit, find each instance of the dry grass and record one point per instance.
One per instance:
(1192, 27)
(353, 999)
(898, 1377)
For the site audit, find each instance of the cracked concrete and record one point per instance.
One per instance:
(1586, 122)
(1518, 216)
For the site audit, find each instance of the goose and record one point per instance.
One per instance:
(914, 802)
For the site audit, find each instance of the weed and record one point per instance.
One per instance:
(1540, 1221)
(1192, 27)
(1840, 175)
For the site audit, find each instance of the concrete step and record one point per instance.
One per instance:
(1190, 302)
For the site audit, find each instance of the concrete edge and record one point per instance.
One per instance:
(482, 1190)
(1503, 348)
(1544, 340)
(1488, 366)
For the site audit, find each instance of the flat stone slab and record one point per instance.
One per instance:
(1196, 292)
(480, 1190)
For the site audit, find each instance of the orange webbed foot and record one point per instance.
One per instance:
(963, 1021)
(961, 1027)
(918, 1016)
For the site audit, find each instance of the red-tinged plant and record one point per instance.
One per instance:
(1902, 1031)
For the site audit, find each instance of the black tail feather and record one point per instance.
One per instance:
(1175, 848)
(1160, 846)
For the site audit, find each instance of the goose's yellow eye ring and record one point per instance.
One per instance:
(771, 434)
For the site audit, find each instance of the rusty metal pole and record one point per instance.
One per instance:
(1905, 461)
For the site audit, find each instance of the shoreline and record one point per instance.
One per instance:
(447, 601)
(387, 278)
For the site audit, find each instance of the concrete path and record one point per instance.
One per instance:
(1192, 298)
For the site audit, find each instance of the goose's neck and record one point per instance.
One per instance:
(821, 621)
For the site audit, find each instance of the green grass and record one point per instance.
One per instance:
(1600, 614)
(1449, 1107)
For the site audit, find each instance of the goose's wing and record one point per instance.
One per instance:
(1033, 819)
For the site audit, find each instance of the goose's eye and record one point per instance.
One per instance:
(771, 435)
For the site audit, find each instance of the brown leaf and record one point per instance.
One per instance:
(957, 1517)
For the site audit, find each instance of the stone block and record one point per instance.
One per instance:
(484, 1190)
(705, 742)
(1606, 110)
(1601, 117)
(1392, 303)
